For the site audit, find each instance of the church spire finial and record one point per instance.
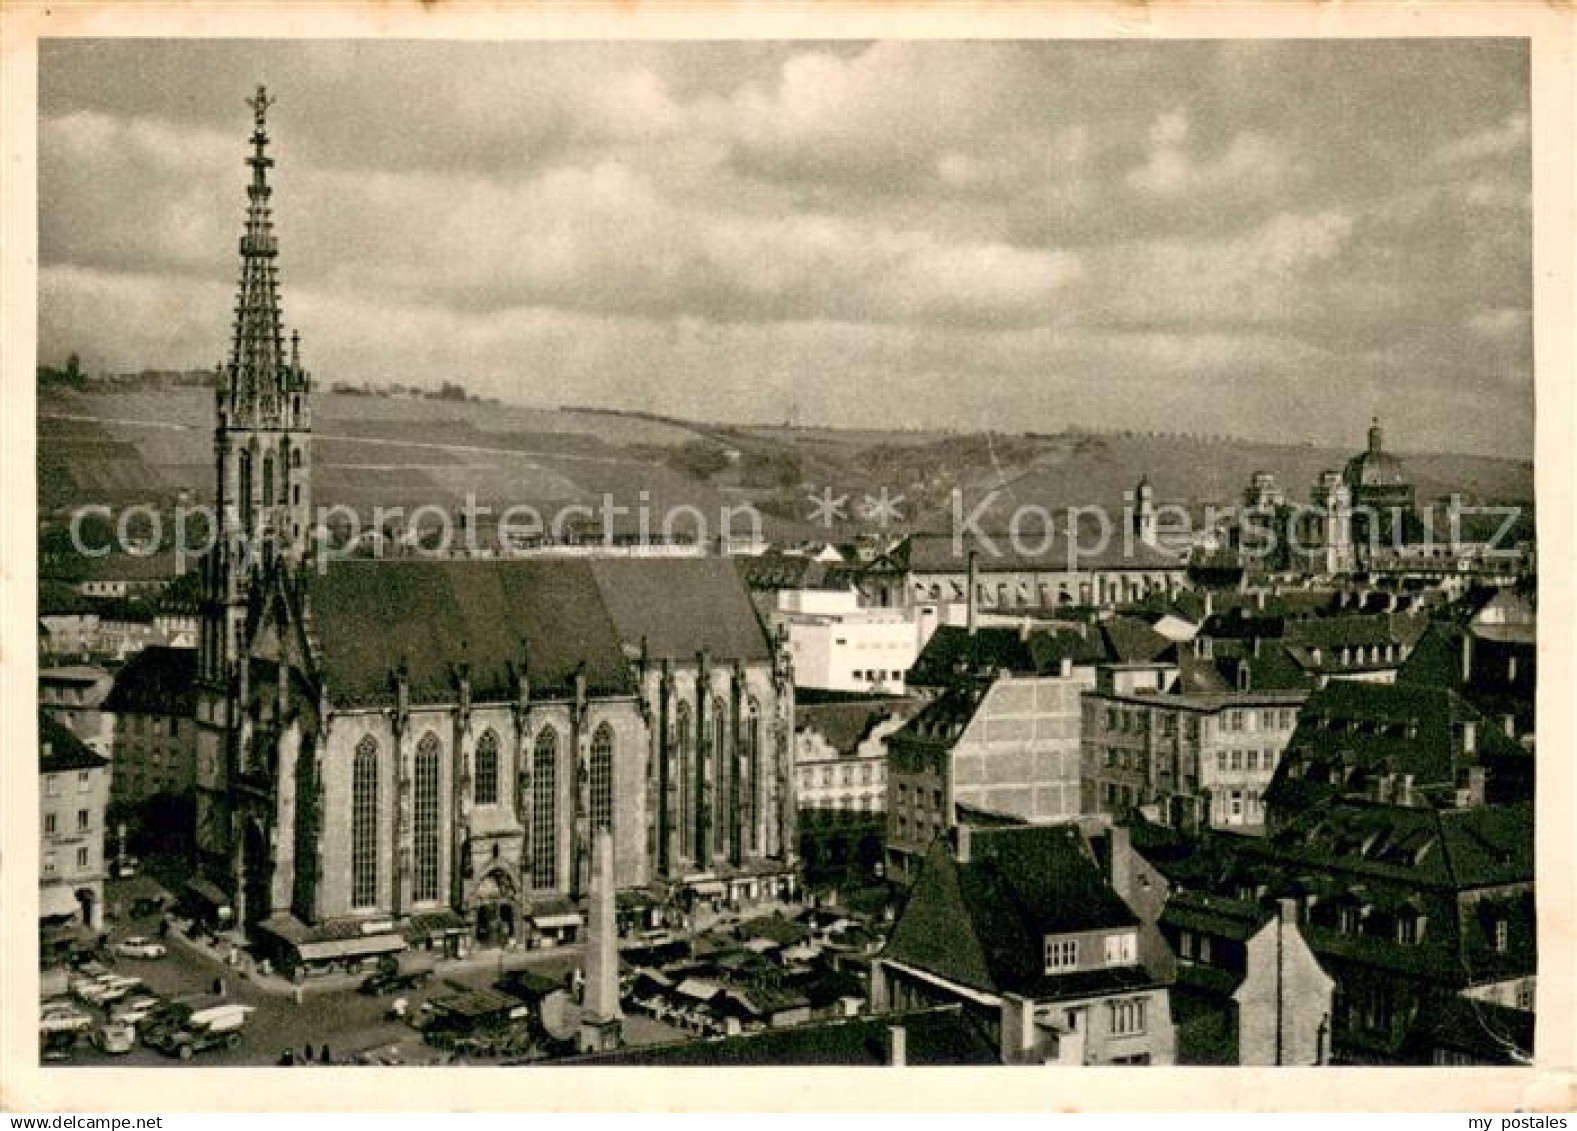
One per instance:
(260, 102)
(259, 378)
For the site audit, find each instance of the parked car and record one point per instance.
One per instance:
(186, 1031)
(139, 946)
(115, 1037)
(392, 981)
(136, 1010)
(63, 1017)
(110, 988)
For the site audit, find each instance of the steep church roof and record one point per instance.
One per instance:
(681, 606)
(370, 616)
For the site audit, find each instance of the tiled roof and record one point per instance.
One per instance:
(1131, 640)
(156, 681)
(945, 717)
(844, 726)
(1036, 652)
(681, 606)
(1453, 866)
(939, 553)
(1361, 631)
(948, 1035)
(370, 616)
(984, 923)
(1349, 731)
(1269, 668)
(60, 751)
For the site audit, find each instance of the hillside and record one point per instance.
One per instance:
(148, 445)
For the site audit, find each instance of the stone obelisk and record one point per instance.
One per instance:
(602, 1022)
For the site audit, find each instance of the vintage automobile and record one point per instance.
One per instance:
(116, 1037)
(139, 946)
(63, 1017)
(182, 1030)
(136, 1010)
(386, 981)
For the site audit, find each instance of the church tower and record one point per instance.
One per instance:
(263, 496)
(263, 432)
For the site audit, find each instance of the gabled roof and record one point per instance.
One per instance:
(369, 616)
(1270, 668)
(681, 606)
(1131, 640)
(60, 751)
(1361, 631)
(942, 553)
(945, 717)
(156, 681)
(1350, 730)
(1037, 652)
(984, 923)
(844, 726)
(1457, 868)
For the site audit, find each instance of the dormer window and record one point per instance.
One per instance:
(1121, 949)
(1062, 955)
(1501, 934)
(1409, 928)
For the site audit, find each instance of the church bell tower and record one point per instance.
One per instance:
(263, 495)
(263, 428)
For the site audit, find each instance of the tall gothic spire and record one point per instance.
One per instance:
(259, 376)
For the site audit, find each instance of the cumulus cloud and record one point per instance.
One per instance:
(1507, 137)
(1250, 161)
(992, 233)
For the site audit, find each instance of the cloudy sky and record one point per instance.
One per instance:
(1273, 239)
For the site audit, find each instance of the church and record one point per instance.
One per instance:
(421, 751)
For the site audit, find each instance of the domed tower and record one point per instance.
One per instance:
(1382, 498)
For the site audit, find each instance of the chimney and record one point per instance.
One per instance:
(1121, 862)
(969, 603)
(1404, 791)
(1469, 736)
(1467, 655)
(1384, 788)
(1018, 1029)
(1287, 910)
(1210, 603)
(1256, 646)
(961, 852)
(1065, 671)
(897, 1046)
(1259, 600)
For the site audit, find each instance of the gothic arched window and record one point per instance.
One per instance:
(683, 760)
(364, 825)
(723, 798)
(485, 789)
(425, 820)
(752, 757)
(268, 480)
(246, 489)
(544, 809)
(601, 775)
